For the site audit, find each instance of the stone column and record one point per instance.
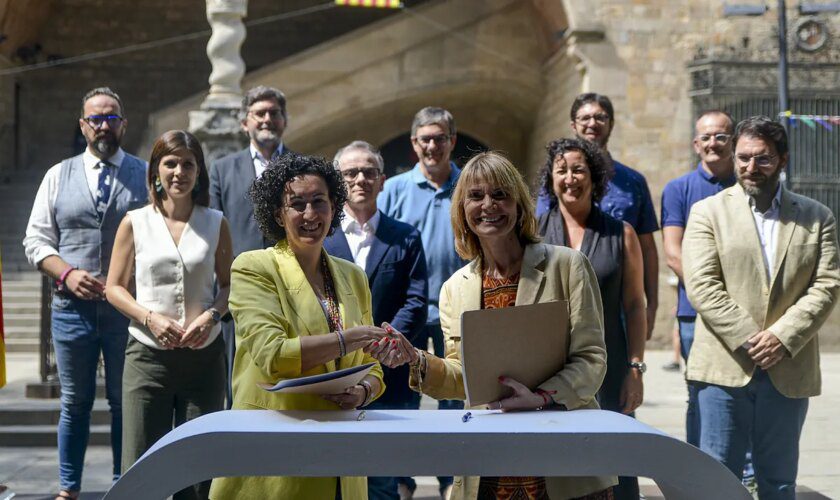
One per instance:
(216, 124)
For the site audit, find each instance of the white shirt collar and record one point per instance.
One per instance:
(256, 155)
(351, 225)
(92, 162)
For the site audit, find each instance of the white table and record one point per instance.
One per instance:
(423, 443)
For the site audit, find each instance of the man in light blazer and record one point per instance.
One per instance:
(391, 254)
(760, 267)
(263, 117)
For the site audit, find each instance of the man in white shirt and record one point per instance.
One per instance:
(69, 238)
(263, 118)
(391, 254)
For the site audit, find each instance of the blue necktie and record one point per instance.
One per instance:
(103, 189)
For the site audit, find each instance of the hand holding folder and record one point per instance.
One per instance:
(526, 343)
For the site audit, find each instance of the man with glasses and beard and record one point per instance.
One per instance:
(70, 235)
(760, 267)
(263, 118)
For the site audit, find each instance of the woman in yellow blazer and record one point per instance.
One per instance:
(298, 312)
(494, 225)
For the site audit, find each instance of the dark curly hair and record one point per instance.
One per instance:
(267, 191)
(600, 168)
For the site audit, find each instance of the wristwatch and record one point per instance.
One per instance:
(214, 314)
(639, 365)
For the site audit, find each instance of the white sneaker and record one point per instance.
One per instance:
(405, 492)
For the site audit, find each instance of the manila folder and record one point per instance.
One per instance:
(527, 343)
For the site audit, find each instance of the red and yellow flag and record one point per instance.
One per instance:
(2, 337)
(377, 4)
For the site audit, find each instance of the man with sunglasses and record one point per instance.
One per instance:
(71, 231)
(422, 198)
(714, 173)
(391, 254)
(263, 118)
(761, 269)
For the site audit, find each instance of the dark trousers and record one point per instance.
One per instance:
(229, 337)
(163, 389)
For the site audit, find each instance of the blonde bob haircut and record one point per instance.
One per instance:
(496, 170)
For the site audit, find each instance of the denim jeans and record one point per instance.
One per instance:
(81, 329)
(756, 415)
(692, 413)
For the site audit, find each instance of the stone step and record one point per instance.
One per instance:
(22, 332)
(45, 435)
(46, 412)
(28, 344)
(13, 319)
(18, 307)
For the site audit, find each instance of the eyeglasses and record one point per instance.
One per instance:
(319, 205)
(272, 113)
(96, 121)
(720, 138)
(601, 118)
(760, 160)
(351, 174)
(425, 140)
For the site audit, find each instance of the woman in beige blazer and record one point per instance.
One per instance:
(494, 226)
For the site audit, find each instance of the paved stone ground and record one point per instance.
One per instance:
(31, 472)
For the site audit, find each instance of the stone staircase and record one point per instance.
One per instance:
(25, 421)
(21, 283)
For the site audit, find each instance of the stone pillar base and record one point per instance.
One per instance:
(217, 126)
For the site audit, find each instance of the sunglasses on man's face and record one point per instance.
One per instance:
(96, 121)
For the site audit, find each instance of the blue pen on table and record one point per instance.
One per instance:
(466, 418)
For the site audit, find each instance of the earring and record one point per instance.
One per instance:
(158, 186)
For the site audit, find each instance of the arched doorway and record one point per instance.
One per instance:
(399, 155)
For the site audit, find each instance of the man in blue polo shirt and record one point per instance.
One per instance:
(422, 197)
(628, 197)
(715, 172)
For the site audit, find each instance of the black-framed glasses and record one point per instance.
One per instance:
(370, 173)
(439, 139)
(762, 161)
(96, 121)
(720, 138)
(601, 118)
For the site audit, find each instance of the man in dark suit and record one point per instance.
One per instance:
(391, 253)
(263, 118)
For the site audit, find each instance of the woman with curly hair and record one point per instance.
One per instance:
(576, 175)
(299, 312)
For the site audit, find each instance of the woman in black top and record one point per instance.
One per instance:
(576, 176)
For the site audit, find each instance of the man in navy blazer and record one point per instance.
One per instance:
(391, 253)
(263, 118)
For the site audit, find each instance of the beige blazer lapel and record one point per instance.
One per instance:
(742, 219)
(471, 289)
(532, 276)
(788, 216)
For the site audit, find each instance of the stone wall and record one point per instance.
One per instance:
(147, 80)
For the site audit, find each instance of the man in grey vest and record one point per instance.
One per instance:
(263, 117)
(71, 231)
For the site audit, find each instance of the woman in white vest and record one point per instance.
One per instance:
(178, 251)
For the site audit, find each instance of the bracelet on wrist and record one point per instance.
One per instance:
(368, 392)
(147, 319)
(62, 278)
(342, 347)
